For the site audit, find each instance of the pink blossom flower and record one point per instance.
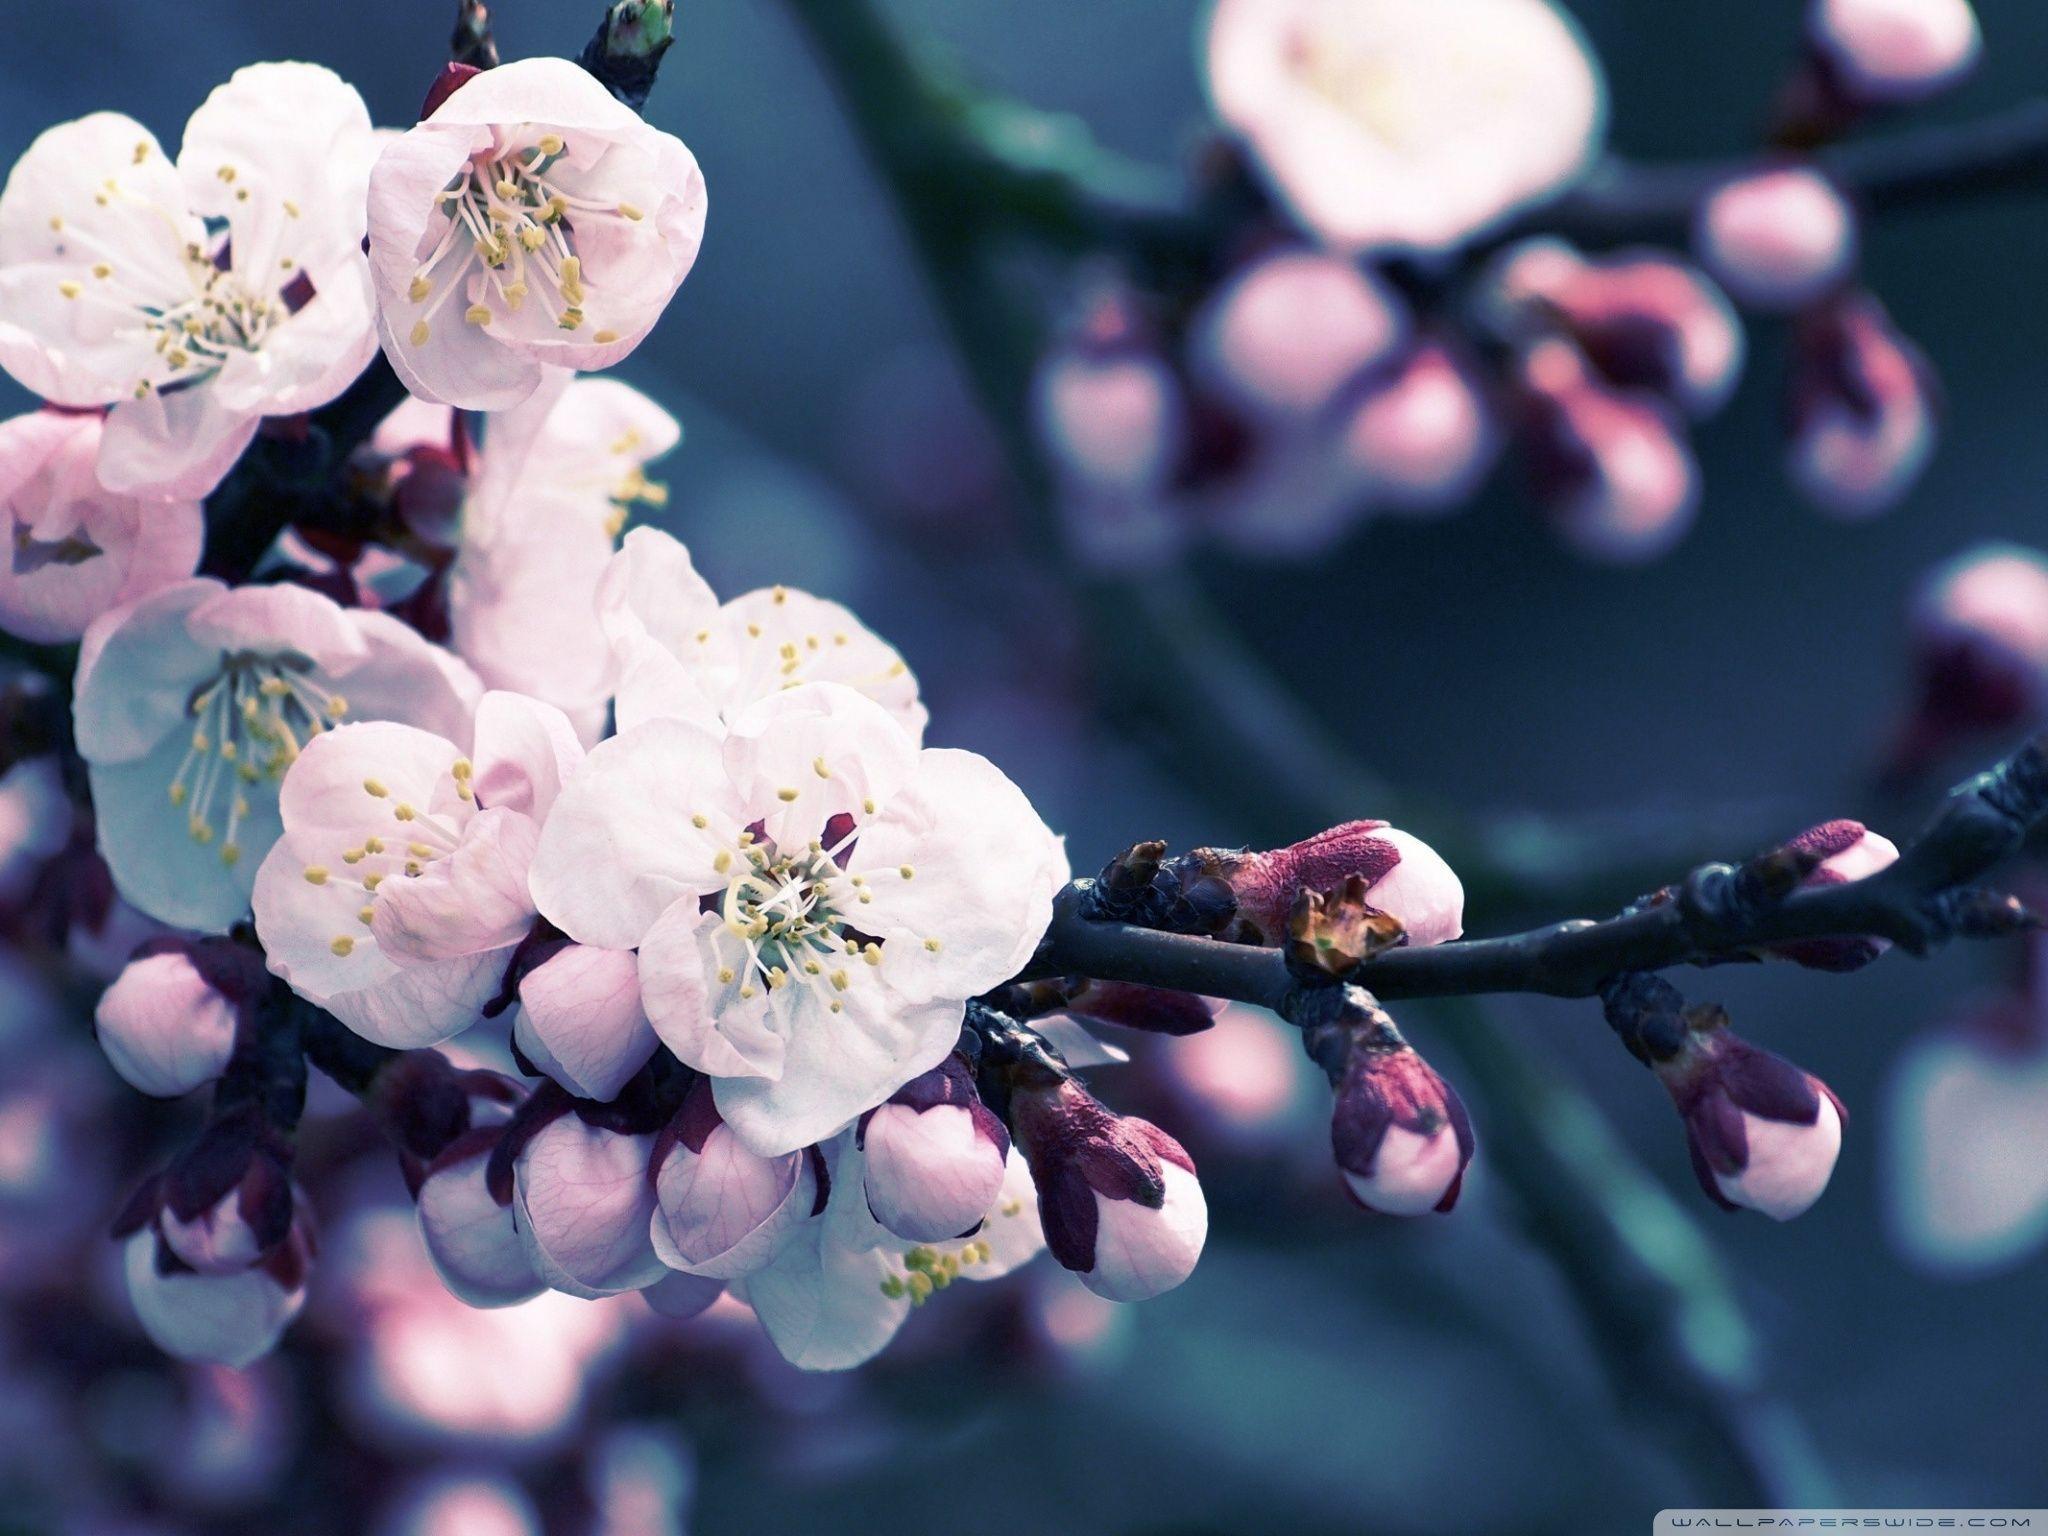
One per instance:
(1863, 409)
(1106, 404)
(194, 701)
(583, 1205)
(1616, 480)
(195, 298)
(531, 221)
(1777, 239)
(1286, 332)
(1117, 1196)
(1400, 1132)
(399, 888)
(724, 1211)
(678, 653)
(168, 1022)
(933, 1155)
(473, 1241)
(813, 898)
(78, 550)
(1763, 1134)
(1406, 124)
(1892, 52)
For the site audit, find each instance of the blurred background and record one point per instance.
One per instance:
(1323, 1371)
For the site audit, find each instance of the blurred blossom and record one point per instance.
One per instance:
(1079, 1330)
(1406, 124)
(1244, 1083)
(462, 1504)
(1282, 335)
(1777, 239)
(231, 1436)
(1862, 408)
(642, 1480)
(1979, 628)
(35, 823)
(1420, 434)
(1893, 52)
(1611, 470)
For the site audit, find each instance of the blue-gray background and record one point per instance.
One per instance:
(1424, 1379)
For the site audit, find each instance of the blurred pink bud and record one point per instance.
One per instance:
(1610, 469)
(472, 1240)
(935, 1156)
(462, 1504)
(1863, 409)
(1763, 1134)
(580, 1020)
(1980, 644)
(1108, 407)
(1849, 851)
(168, 1021)
(1777, 239)
(1403, 875)
(1644, 320)
(1420, 435)
(1283, 334)
(582, 1202)
(1399, 1131)
(723, 1210)
(1117, 1196)
(227, 1319)
(1890, 52)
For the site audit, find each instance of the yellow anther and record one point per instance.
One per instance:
(515, 296)
(932, 945)
(227, 751)
(70, 289)
(868, 806)
(920, 1285)
(201, 832)
(291, 209)
(342, 944)
(419, 288)
(837, 1007)
(462, 768)
(550, 143)
(722, 862)
(371, 882)
(337, 706)
(414, 869)
(747, 993)
(375, 788)
(872, 954)
(508, 190)
(373, 845)
(787, 795)
(364, 915)
(754, 631)
(201, 742)
(102, 270)
(226, 173)
(818, 767)
(777, 977)
(352, 856)
(841, 980)
(700, 822)
(892, 1288)
(419, 333)
(905, 870)
(726, 976)
(231, 854)
(316, 874)
(572, 279)
(419, 850)
(605, 338)
(556, 208)
(627, 210)
(178, 794)
(478, 314)
(533, 237)
(403, 811)
(572, 318)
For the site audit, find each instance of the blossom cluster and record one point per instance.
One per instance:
(1368, 327)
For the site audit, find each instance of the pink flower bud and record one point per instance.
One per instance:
(582, 1203)
(1980, 643)
(1611, 470)
(1645, 321)
(1777, 239)
(1400, 1132)
(723, 1210)
(580, 1020)
(1108, 407)
(168, 1021)
(1763, 1134)
(935, 1156)
(1283, 334)
(473, 1241)
(1849, 851)
(1863, 410)
(1891, 52)
(227, 1203)
(228, 1319)
(1117, 1196)
(1420, 436)
(1404, 876)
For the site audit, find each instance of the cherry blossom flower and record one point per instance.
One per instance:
(680, 654)
(77, 550)
(399, 886)
(813, 898)
(1400, 1132)
(168, 1022)
(1777, 239)
(933, 1155)
(837, 1293)
(1892, 52)
(1118, 1196)
(1763, 1134)
(194, 701)
(1863, 409)
(196, 298)
(531, 221)
(723, 1210)
(1406, 124)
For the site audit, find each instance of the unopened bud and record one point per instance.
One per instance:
(1400, 1133)
(1980, 651)
(722, 1210)
(1420, 436)
(934, 1156)
(583, 1205)
(226, 1319)
(1862, 409)
(1107, 405)
(1777, 239)
(168, 1021)
(1404, 878)
(227, 1202)
(473, 1241)
(1283, 335)
(1847, 850)
(1117, 1196)
(1893, 52)
(580, 1021)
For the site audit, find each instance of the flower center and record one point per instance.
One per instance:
(415, 838)
(511, 220)
(249, 722)
(783, 923)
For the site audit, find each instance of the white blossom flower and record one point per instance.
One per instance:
(193, 702)
(1406, 124)
(399, 887)
(813, 898)
(838, 1292)
(532, 220)
(679, 654)
(195, 298)
(75, 549)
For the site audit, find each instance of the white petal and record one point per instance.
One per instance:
(223, 1319)
(1410, 1174)
(1789, 1165)
(725, 1211)
(583, 1208)
(525, 752)
(800, 757)
(164, 1029)
(136, 669)
(1141, 1252)
(580, 1017)
(653, 606)
(471, 1238)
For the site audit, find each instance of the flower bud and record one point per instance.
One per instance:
(582, 1204)
(1645, 321)
(1847, 851)
(1763, 1134)
(1117, 1196)
(473, 1241)
(1400, 1133)
(722, 1210)
(1893, 52)
(1420, 436)
(1863, 409)
(1108, 407)
(1404, 878)
(168, 1021)
(1777, 239)
(580, 1021)
(1610, 469)
(1285, 333)
(935, 1156)
(227, 1202)
(228, 1319)
(1980, 646)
